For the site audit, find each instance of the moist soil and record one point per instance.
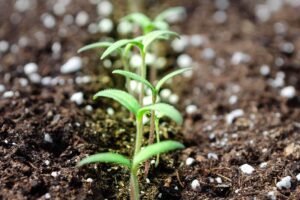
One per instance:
(34, 168)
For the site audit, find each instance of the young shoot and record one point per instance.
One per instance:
(134, 164)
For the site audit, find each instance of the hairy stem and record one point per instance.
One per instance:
(134, 186)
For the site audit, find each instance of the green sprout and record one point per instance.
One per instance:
(158, 23)
(134, 164)
(140, 155)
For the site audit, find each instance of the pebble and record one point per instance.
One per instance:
(2, 88)
(74, 64)
(56, 48)
(46, 81)
(150, 59)
(220, 17)
(263, 165)
(208, 54)
(68, 20)
(298, 177)
(179, 45)
(110, 111)
(59, 9)
(48, 138)
(22, 5)
(104, 8)
(222, 4)
(264, 70)
(189, 161)
(147, 180)
(190, 109)
(23, 82)
(30, 68)
(165, 93)
(107, 63)
(219, 180)
(147, 100)
(135, 61)
(262, 12)
(160, 62)
(4, 46)
(184, 61)
(8, 94)
(271, 195)
(288, 92)
(195, 185)
(213, 156)
(93, 28)
(233, 115)
(77, 98)
(54, 174)
(47, 162)
(35, 78)
(240, 57)
(47, 196)
(82, 18)
(284, 183)
(197, 40)
(274, 5)
(89, 180)
(48, 20)
(280, 28)
(124, 27)
(233, 99)
(173, 99)
(287, 47)
(247, 169)
(83, 80)
(89, 108)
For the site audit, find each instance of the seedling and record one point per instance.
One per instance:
(134, 164)
(158, 23)
(130, 103)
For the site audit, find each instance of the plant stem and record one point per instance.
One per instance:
(143, 74)
(139, 134)
(134, 186)
(126, 68)
(157, 139)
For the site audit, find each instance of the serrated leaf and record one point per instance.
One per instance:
(134, 77)
(139, 19)
(125, 99)
(169, 12)
(168, 76)
(106, 158)
(154, 35)
(155, 149)
(94, 46)
(164, 109)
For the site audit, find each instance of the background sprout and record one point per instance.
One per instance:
(133, 165)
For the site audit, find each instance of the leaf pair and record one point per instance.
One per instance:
(145, 154)
(129, 102)
(159, 84)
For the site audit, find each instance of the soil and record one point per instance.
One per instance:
(33, 168)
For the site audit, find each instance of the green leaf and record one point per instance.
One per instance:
(119, 44)
(161, 25)
(154, 35)
(168, 76)
(155, 149)
(164, 109)
(134, 77)
(139, 19)
(94, 46)
(168, 13)
(106, 158)
(125, 99)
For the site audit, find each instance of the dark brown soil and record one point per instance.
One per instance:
(268, 132)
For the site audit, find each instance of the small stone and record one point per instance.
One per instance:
(239, 58)
(54, 174)
(233, 115)
(220, 17)
(105, 25)
(56, 48)
(184, 61)
(298, 177)
(190, 109)
(74, 64)
(2, 88)
(89, 108)
(104, 8)
(284, 183)
(147, 180)
(219, 180)
(197, 40)
(46, 81)
(264, 70)
(288, 92)
(247, 169)
(82, 18)
(22, 5)
(173, 99)
(208, 54)
(30, 68)
(4, 45)
(23, 82)
(213, 156)
(195, 185)
(287, 47)
(77, 98)
(165, 93)
(262, 12)
(179, 45)
(263, 165)
(47, 196)
(222, 4)
(48, 20)
(233, 99)
(89, 180)
(271, 195)
(48, 138)
(47, 162)
(35, 78)
(8, 94)
(110, 111)
(189, 161)
(124, 27)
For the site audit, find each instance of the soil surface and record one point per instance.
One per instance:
(43, 134)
